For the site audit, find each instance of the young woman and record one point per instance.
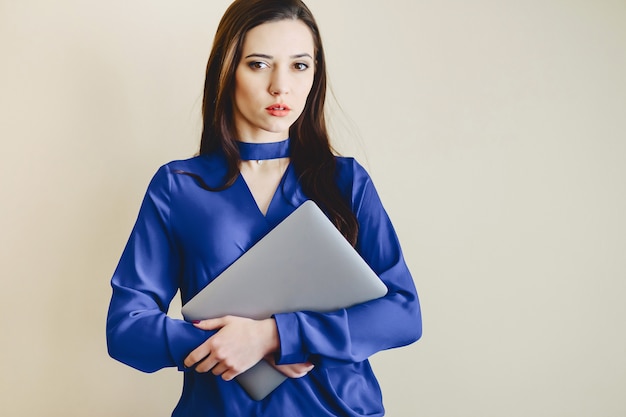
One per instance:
(264, 151)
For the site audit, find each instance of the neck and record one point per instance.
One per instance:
(263, 140)
(262, 165)
(264, 151)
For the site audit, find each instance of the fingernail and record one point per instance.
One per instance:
(196, 321)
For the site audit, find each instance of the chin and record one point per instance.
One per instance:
(283, 127)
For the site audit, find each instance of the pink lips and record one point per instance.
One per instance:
(278, 110)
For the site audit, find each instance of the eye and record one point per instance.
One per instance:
(257, 65)
(300, 66)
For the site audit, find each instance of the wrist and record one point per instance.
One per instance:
(271, 332)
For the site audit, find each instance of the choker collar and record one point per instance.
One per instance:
(262, 151)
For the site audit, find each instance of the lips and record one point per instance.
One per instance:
(278, 110)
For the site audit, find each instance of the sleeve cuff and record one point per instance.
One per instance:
(187, 338)
(291, 350)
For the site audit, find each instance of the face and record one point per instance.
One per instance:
(273, 80)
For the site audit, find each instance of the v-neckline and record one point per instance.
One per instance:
(275, 195)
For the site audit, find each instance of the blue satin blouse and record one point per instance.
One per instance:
(185, 236)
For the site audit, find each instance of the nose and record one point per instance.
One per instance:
(278, 84)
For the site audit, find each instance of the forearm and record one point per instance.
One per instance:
(349, 335)
(146, 338)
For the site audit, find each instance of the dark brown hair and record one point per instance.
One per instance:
(312, 156)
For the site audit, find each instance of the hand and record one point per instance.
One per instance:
(237, 346)
(294, 370)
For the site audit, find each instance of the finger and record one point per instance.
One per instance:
(208, 364)
(197, 355)
(230, 374)
(307, 369)
(212, 324)
(303, 371)
(297, 370)
(219, 369)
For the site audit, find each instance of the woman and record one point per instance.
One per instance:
(264, 151)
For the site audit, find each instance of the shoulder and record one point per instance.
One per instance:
(209, 168)
(199, 163)
(348, 168)
(352, 179)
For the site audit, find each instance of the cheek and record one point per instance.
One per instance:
(242, 90)
(306, 89)
(239, 98)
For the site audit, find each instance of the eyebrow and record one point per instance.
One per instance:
(304, 55)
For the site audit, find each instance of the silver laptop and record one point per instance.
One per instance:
(304, 263)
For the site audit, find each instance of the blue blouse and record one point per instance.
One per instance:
(185, 236)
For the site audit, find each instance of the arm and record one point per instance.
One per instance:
(354, 334)
(139, 332)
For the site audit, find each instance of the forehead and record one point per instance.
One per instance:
(280, 38)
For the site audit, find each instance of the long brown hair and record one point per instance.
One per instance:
(312, 156)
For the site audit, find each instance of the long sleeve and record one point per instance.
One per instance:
(354, 334)
(139, 332)
(185, 236)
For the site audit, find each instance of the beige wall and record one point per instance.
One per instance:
(494, 130)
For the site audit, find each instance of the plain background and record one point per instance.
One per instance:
(495, 132)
